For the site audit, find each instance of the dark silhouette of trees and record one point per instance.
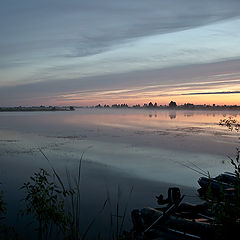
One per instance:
(124, 105)
(172, 104)
(188, 105)
(150, 105)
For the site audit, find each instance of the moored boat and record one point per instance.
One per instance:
(177, 219)
(222, 186)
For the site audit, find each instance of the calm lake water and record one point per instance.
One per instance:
(141, 148)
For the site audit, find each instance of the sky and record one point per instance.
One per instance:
(86, 52)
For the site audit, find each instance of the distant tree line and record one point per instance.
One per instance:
(173, 105)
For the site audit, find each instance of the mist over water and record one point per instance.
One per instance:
(145, 143)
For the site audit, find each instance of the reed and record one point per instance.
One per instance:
(55, 206)
(72, 193)
(118, 212)
(2, 207)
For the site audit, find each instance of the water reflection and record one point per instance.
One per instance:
(188, 114)
(67, 122)
(172, 115)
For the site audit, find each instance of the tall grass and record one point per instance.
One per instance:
(72, 192)
(2, 207)
(55, 206)
(118, 212)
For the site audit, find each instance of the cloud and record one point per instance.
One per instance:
(133, 86)
(213, 43)
(210, 93)
(93, 27)
(49, 48)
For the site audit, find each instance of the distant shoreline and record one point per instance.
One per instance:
(36, 109)
(169, 108)
(119, 107)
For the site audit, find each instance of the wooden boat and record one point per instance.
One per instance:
(222, 186)
(178, 219)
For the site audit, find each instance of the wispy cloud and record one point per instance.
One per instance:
(154, 91)
(136, 86)
(207, 93)
(81, 39)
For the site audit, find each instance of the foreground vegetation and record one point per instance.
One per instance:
(54, 208)
(226, 207)
(227, 211)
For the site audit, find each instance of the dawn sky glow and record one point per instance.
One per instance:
(88, 52)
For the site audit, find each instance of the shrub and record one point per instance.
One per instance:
(45, 201)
